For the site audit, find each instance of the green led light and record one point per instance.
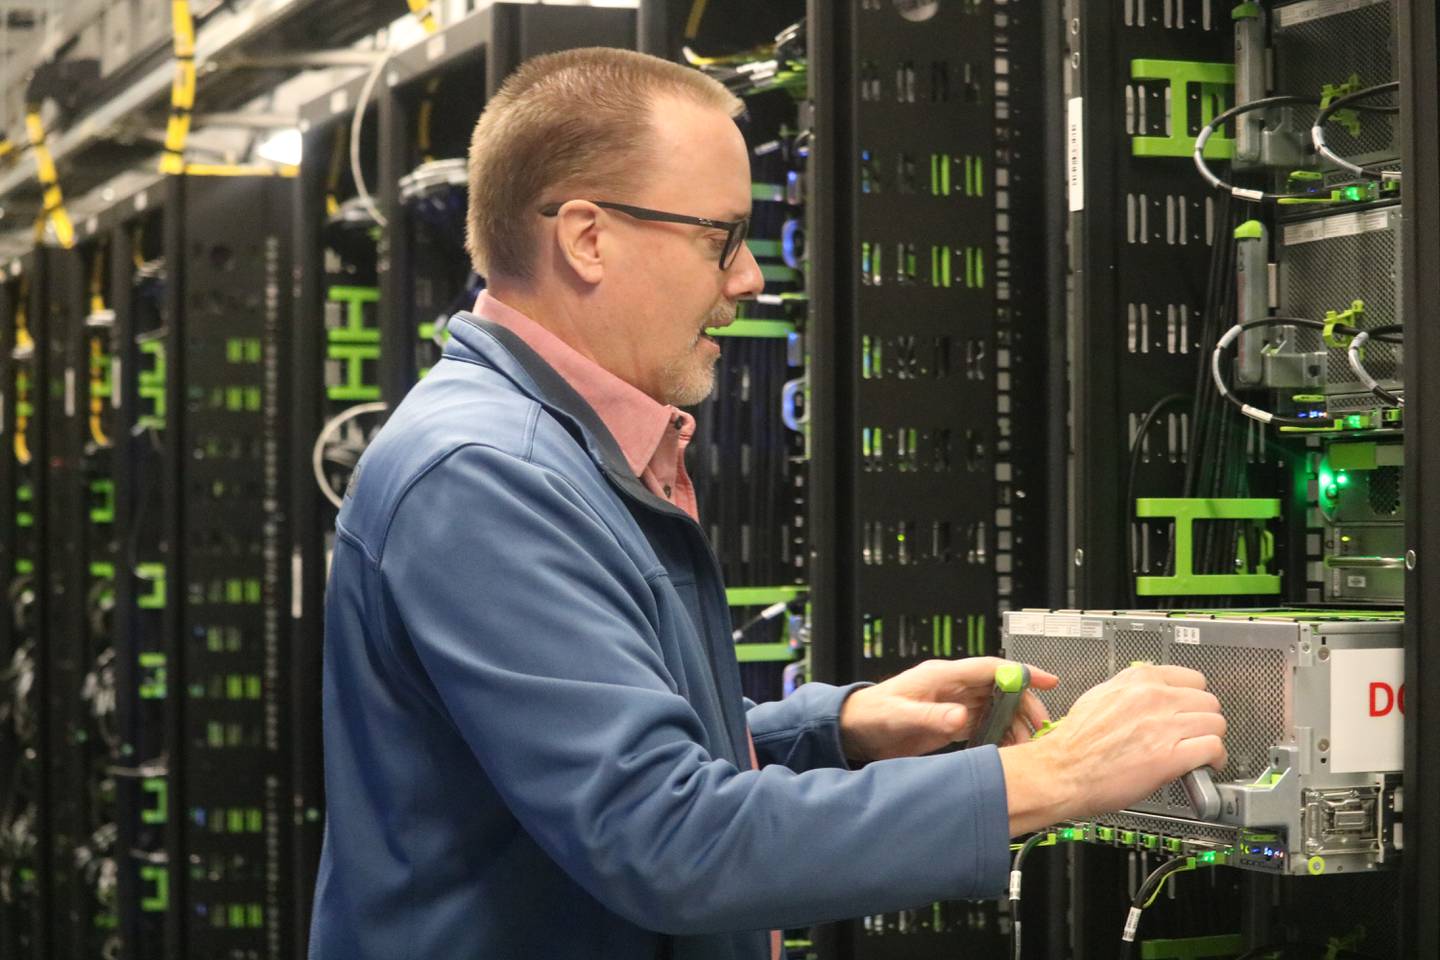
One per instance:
(1357, 421)
(1343, 479)
(1332, 491)
(1067, 834)
(1208, 856)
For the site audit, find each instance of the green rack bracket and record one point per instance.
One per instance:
(352, 358)
(151, 385)
(1194, 948)
(160, 812)
(354, 299)
(764, 653)
(1185, 582)
(104, 493)
(1215, 81)
(762, 596)
(159, 901)
(154, 574)
(759, 329)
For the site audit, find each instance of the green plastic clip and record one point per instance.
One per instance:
(1348, 318)
(1349, 119)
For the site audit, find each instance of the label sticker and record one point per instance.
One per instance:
(1187, 634)
(1329, 228)
(1356, 581)
(1070, 626)
(1025, 624)
(1367, 710)
(1075, 140)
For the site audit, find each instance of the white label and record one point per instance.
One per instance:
(92, 225)
(1298, 13)
(1075, 141)
(1344, 225)
(297, 584)
(1073, 627)
(1026, 624)
(339, 101)
(69, 391)
(1367, 710)
(1187, 634)
(1356, 581)
(435, 47)
(142, 200)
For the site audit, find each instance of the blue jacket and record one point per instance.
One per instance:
(535, 737)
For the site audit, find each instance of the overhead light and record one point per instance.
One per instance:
(283, 147)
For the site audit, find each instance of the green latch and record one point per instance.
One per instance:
(103, 492)
(1246, 11)
(154, 574)
(159, 902)
(1185, 582)
(1349, 119)
(159, 813)
(151, 385)
(152, 686)
(1250, 230)
(1214, 80)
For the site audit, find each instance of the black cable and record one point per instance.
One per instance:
(1233, 334)
(1015, 875)
(1145, 895)
(1135, 447)
(1317, 131)
(1239, 109)
(1379, 335)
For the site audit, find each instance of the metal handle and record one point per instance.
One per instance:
(1374, 563)
(788, 396)
(1199, 786)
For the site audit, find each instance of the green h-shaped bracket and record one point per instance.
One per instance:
(152, 385)
(159, 902)
(353, 344)
(1213, 80)
(1185, 581)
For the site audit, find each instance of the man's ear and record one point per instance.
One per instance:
(579, 228)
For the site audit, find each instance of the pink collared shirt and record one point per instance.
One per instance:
(652, 435)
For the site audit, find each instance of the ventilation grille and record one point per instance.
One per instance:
(1385, 491)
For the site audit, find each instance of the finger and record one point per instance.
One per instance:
(1020, 731)
(1032, 711)
(1190, 725)
(1208, 751)
(1042, 679)
(1178, 676)
(1190, 700)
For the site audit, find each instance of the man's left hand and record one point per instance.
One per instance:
(930, 706)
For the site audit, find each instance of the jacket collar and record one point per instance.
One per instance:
(505, 352)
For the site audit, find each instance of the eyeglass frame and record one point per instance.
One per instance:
(736, 231)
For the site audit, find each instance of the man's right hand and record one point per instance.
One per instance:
(1120, 742)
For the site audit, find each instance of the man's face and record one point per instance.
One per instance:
(670, 287)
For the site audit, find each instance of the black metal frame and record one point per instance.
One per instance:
(1420, 107)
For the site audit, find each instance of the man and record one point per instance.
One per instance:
(536, 744)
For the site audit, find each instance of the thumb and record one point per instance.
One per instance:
(948, 719)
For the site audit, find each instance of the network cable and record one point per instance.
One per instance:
(1357, 364)
(1265, 416)
(1262, 196)
(1146, 895)
(1349, 101)
(1042, 838)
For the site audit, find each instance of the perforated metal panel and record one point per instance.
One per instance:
(1080, 664)
(1250, 685)
(1327, 263)
(1384, 492)
(1313, 51)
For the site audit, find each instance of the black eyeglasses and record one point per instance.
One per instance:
(735, 230)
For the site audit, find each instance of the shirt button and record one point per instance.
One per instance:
(667, 489)
(678, 423)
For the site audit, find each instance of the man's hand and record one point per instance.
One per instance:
(1123, 739)
(930, 706)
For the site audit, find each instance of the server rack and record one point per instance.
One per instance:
(27, 905)
(929, 341)
(1416, 31)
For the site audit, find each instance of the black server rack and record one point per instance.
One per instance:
(929, 330)
(25, 897)
(1417, 36)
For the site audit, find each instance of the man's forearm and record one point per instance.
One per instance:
(1038, 791)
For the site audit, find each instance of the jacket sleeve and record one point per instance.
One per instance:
(537, 630)
(802, 731)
